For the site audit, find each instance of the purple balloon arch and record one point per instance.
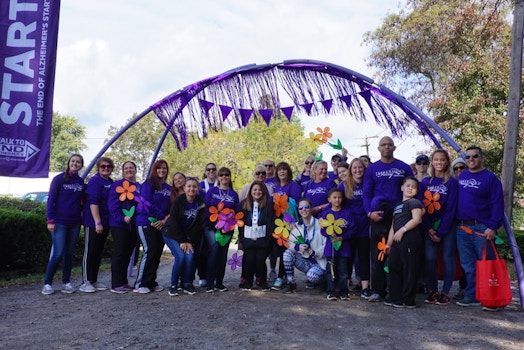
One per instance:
(235, 97)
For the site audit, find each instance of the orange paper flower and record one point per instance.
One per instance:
(280, 204)
(381, 249)
(215, 211)
(325, 134)
(126, 191)
(281, 240)
(431, 201)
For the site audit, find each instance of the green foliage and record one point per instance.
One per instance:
(242, 149)
(66, 138)
(26, 205)
(452, 57)
(137, 144)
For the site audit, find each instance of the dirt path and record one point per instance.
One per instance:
(243, 320)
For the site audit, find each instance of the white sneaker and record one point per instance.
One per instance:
(68, 288)
(158, 288)
(47, 289)
(142, 290)
(87, 287)
(100, 286)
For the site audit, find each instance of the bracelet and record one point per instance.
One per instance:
(98, 223)
(404, 228)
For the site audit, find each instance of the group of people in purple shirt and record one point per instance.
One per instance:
(376, 218)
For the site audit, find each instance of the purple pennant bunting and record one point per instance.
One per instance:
(347, 100)
(307, 107)
(245, 114)
(288, 112)
(225, 111)
(266, 115)
(327, 104)
(206, 105)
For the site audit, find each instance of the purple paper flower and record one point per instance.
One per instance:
(142, 204)
(235, 261)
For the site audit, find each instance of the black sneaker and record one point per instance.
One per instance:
(189, 289)
(388, 302)
(357, 288)
(366, 293)
(244, 286)
(443, 299)
(210, 289)
(173, 291)
(290, 288)
(331, 296)
(221, 288)
(310, 285)
(344, 296)
(264, 286)
(432, 298)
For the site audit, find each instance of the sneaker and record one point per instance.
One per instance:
(375, 297)
(388, 302)
(278, 284)
(460, 295)
(264, 286)
(400, 305)
(491, 309)
(47, 289)
(244, 286)
(272, 276)
(202, 283)
(142, 290)
(173, 292)
(467, 302)
(331, 296)
(120, 290)
(87, 287)
(221, 288)
(158, 288)
(310, 285)
(189, 289)
(366, 293)
(290, 288)
(357, 288)
(128, 288)
(68, 288)
(344, 296)
(210, 289)
(99, 286)
(432, 298)
(443, 299)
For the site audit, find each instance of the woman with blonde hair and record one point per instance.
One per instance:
(317, 189)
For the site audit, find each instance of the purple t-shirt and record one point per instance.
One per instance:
(303, 180)
(159, 205)
(356, 207)
(348, 231)
(64, 201)
(97, 192)
(317, 193)
(444, 211)
(292, 190)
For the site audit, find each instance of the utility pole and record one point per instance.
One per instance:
(512, 118)
(366, 138)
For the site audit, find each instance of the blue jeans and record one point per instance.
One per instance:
(216, 259)
(470, 250)
(64, 240)
(184, 262)
(449, 244)
(339, 281)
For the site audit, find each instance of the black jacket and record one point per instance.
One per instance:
(266, 217)
(174, 227)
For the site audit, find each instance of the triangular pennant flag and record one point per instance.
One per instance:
(288, 112)
(327, 104)
(347, 100)
(206, 105)
(245, 114)
(266, 115)
(225, 111)
(307, 107)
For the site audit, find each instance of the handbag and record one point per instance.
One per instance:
(493, 286)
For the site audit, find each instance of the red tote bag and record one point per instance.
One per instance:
(493, 286)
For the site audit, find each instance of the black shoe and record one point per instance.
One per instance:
(310, 285)
(264, 286)
(221, 288)
(189, 289)
(290, 288)
(245, 286)
(173, 291)
(210, 289)
(357, 288)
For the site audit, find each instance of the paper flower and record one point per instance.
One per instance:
(431, 201)
(129, 212)
(142, 204)
(381, 246)
(281, 240)
(226, 219)
(235, 261)
(469, 231)
(282, 228)
(222, 239)
(331, 225)
(300, 240)
(289, 219)
(314, 140)
(325, 134)
(280, 204)
(215, 211)
(126, 191)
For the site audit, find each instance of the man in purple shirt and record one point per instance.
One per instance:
(382, 181)
(481, 209)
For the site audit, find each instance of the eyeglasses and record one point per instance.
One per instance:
(460, 167)
(422, 163)
(308, 163)
(302, 207)
(222, 175)
(211, 169)
(106, 166)
(260, 173)
(474, 156)
(269, 165)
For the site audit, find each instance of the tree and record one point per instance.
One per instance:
(66, 138)
(452, 58)
(137, 144)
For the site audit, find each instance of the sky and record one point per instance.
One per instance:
(118, 57)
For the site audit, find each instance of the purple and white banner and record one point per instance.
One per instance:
(28, 37)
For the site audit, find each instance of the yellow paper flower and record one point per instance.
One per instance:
(332, 226)
(282, 228)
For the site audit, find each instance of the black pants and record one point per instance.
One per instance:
(360, 247)
(124, 241)
(378, 231)
(153, 245)
(93, 249)
(404, 265)
(254, 262)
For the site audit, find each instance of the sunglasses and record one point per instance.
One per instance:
(260, 173)
(269, 165)
(211, 169)
(474, 156)
(302, 207)
(422, 163)
(460, 167)
(222, 175)
(106, 166)
(308, 163)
